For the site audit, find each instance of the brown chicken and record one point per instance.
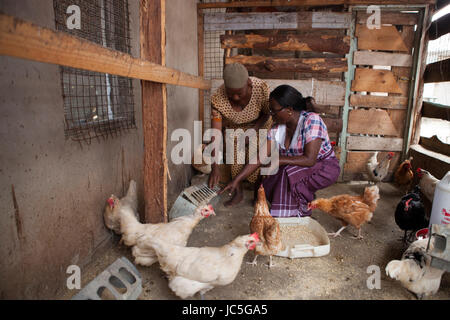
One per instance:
(353, 210)
(267, 228)
(404, 174)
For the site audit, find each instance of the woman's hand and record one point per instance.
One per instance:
(214, 176)
(230, 187)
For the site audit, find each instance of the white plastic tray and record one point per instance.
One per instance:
(302, 250)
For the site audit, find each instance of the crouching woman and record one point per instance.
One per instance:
(307, 161)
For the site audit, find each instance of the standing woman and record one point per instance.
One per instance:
(306, 158)
(242, 102)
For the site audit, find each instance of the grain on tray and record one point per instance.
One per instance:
(299, 234)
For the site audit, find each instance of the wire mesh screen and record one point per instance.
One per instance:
(213, 60)
(96, 104)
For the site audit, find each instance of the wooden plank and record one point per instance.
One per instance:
(372, 80)
(437, 71)
(324, 92)
(333, 124)
(372, 121)
(269, 64)
(355, 167)
(307, 3)
(390, 17)
(386, 38)
(439, 27)
(436, 145)
(436, 163)
(25, 40)
(218, 21)
(370, 101)
(323, 20)
(372, 58)
(294, 42)
(374, 143)
(435, 110)
(154, 119)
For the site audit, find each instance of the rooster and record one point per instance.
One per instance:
(111, 215)
(414, 271)
(267, 228)
(191, 270)
(427, 183)
(353, 210)
(410, 213)
(404, 175)
(378, 170)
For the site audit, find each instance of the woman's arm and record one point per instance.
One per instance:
(214, 177)
(263, 117)
(246, 171)
(309, 157)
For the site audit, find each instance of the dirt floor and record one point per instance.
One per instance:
(342, 274)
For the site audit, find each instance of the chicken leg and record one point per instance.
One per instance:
(337, 233)
(359, 236)
(254, 263)
(271, 264)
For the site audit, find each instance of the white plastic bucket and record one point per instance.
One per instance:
(440, 212)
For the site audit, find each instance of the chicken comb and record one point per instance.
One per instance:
(333, 143)
(255, 236)
(419, 170)
(391, 154)
(210, 207)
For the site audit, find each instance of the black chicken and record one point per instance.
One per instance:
(410, 213)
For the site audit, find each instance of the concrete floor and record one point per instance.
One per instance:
(342, 274)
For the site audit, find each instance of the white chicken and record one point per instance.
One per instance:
(378, 171)
(414, 271)
(111, 214)
(427, 183)
(175, 232)
(120, 215)
(191, 270)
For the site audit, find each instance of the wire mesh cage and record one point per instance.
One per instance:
(96, 104)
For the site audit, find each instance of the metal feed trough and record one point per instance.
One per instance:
(191, 198)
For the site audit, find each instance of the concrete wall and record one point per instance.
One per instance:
(182, 102)
(60, 187)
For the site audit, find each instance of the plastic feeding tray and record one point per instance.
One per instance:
(303, 238)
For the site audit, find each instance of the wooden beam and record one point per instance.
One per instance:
(308, 3)
(439, 27)
(390, 17)
(435, 110)
(436, 145)
(294, 42)
(436, 163)
(154, 113)
(372, 58)
(268, 64)
(372, 80)
(438, 71)
(324, 92)
(333, 124)
(374, 143)
(379, 102)
(22, 39)
(441, 4)
(218, 21)
(386, 38)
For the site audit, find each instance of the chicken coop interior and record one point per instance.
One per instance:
(93, 91)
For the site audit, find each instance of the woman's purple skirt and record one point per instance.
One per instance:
(293, 187)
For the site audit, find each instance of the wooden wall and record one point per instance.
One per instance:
(310, 50)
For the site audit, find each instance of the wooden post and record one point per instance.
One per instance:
(154, 119)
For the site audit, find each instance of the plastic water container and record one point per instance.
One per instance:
(440, 212)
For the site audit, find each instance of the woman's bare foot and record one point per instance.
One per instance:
(238, 197)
